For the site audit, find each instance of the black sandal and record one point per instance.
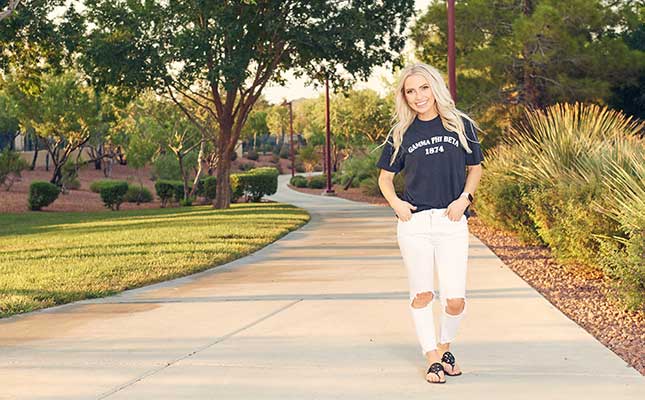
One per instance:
(435, 368)
(448, 358)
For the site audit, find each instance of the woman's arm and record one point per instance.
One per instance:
(456, 209)
(400, 207)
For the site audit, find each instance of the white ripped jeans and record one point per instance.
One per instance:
(430, 240)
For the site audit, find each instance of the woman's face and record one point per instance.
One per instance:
(419, 96)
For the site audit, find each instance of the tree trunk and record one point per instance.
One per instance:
(35, 159)
(184, 176)
(98, 157)
(224, 150)
(198, 174)
(58, 174)
(223, 188)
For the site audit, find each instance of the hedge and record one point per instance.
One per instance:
(169, 191)
(256, 183)
(138, 194)
(42, 194)
(113, 194)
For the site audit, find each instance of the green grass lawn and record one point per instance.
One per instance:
(55, 258)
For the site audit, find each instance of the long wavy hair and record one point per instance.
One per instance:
(451, 117)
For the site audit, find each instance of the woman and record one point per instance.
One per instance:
(434, 144)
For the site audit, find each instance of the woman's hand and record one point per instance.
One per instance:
(456, 209)
(403, 210)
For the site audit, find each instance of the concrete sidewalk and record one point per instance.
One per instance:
(320, 314)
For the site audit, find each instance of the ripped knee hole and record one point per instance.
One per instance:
(455, 306)
(422, 299)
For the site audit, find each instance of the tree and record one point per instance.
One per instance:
(512, 53)
(629, 95)
(63, 113)
(362, 117)
(278, 121)
(309, 157)
(255, 124)
(220, 55)
(154, 126)
(33, 44)
(9, 124)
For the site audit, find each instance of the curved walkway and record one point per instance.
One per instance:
(320, 314)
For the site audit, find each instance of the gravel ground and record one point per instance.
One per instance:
(581, 294)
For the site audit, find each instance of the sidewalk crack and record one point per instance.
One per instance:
(198, 350)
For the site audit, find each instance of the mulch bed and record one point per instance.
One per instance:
(583, 295)
(84, 200)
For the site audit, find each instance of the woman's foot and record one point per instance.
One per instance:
(434, 374)
(448, 362)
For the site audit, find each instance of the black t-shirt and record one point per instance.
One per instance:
(434, 163)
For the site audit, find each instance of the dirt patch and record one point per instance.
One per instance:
(583, 295)
(15, 201)
(84, 200)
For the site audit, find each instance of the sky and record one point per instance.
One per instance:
(295, 88)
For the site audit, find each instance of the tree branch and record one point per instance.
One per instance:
(10, 9)
(192, 119)
(183, 93)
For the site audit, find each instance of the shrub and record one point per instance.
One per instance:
(252, 155)
(299, 166)
(317, 182)
(567, 224)
(298, 181)
(97, 185)
(210, 187)
(138, 194)
(502, 199)
(308, 157)
(369, 186)
(179, 190)
(187, 202)
(358, 168)
(11, 167)
(559, 177)
(237, 190)
(42, 194)
(113, 194)
(246, 166)
(255, 183)
(622, 253)
(168, 190)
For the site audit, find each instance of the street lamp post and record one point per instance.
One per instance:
(291, 152)
(329, 191)
(293, 164)
(451, 50)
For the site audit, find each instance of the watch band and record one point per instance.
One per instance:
(470, 196)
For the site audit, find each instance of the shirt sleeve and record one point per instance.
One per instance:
(476, 157)
(386, 156)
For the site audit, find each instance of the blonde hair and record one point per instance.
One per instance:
(451, 117)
